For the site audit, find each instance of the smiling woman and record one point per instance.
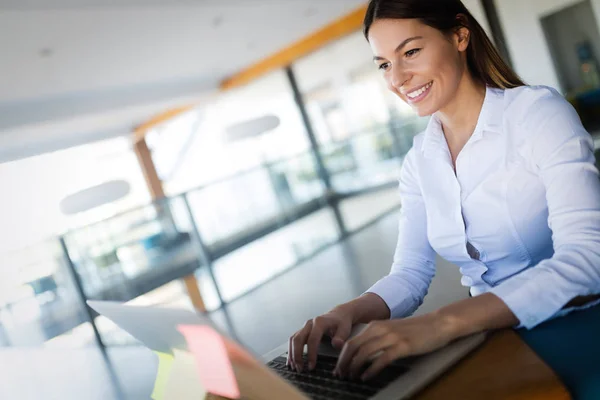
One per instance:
(501, 183)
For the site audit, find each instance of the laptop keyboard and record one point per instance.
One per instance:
(320, 384)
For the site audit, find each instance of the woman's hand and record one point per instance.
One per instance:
(386, 341)
(336, 323)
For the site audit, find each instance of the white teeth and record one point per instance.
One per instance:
(417, 93)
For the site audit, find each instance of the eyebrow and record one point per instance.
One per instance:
(400, 46)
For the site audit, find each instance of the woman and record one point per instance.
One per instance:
(502, 183)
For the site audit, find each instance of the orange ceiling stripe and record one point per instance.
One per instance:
(343, 26)
(161, 118)
(330, 33)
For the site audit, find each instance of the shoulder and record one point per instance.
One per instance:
(534, 106)
(543, 119)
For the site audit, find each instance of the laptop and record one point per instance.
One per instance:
(156, 328)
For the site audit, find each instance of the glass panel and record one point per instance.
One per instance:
(257, 262)
(268, 195)
(296, 181)
(231, 207)
(38, 301)
(133, 256)
(364, 161)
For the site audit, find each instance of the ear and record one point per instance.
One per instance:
(462, 34)
(462, 37)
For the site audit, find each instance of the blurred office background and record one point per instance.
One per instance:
(135, 163)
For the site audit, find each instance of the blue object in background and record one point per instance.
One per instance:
(571, 347)
(152, 242)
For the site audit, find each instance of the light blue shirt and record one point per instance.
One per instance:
(520, 217)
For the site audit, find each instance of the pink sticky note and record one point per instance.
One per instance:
(214, 367)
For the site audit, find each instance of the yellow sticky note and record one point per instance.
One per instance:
(165, 364)
(183, 382)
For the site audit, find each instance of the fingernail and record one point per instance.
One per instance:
(299, 367)
(311, 366)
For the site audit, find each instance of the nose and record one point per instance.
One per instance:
(399, 76)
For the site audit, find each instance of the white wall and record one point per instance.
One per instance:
(525, 37)
(476, 9)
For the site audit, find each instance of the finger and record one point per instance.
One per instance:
(298, 343)
(379, 363)
(316, 334)
(342, 333)
(290, 355)
(352, 346)
(367, 351)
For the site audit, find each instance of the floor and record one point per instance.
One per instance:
(261, 320)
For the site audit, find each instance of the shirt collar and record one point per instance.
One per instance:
(490, 120)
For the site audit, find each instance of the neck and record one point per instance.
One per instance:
(459, 117)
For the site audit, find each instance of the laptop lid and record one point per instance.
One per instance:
(155, 327)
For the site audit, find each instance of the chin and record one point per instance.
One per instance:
(424, 111)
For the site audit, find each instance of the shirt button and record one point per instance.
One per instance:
(466, 281)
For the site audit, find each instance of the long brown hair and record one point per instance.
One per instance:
(483, 60)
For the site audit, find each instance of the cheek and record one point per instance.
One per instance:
(450, 70)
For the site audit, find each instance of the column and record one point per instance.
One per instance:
(155, 187)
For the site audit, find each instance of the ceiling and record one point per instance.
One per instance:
(74, 71)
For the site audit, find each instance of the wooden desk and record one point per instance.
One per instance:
(503, 368)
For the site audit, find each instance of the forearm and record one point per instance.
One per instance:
(475, 314)
(366, 308)
(485, 312)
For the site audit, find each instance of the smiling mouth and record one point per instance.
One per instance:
(419, 94)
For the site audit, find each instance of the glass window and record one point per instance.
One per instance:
(212, 154)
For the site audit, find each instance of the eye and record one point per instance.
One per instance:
(411, 53)
(384, 66)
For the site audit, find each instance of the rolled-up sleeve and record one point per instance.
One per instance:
(413, 267)
(562, 154)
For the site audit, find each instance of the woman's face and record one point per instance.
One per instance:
(420, 64)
